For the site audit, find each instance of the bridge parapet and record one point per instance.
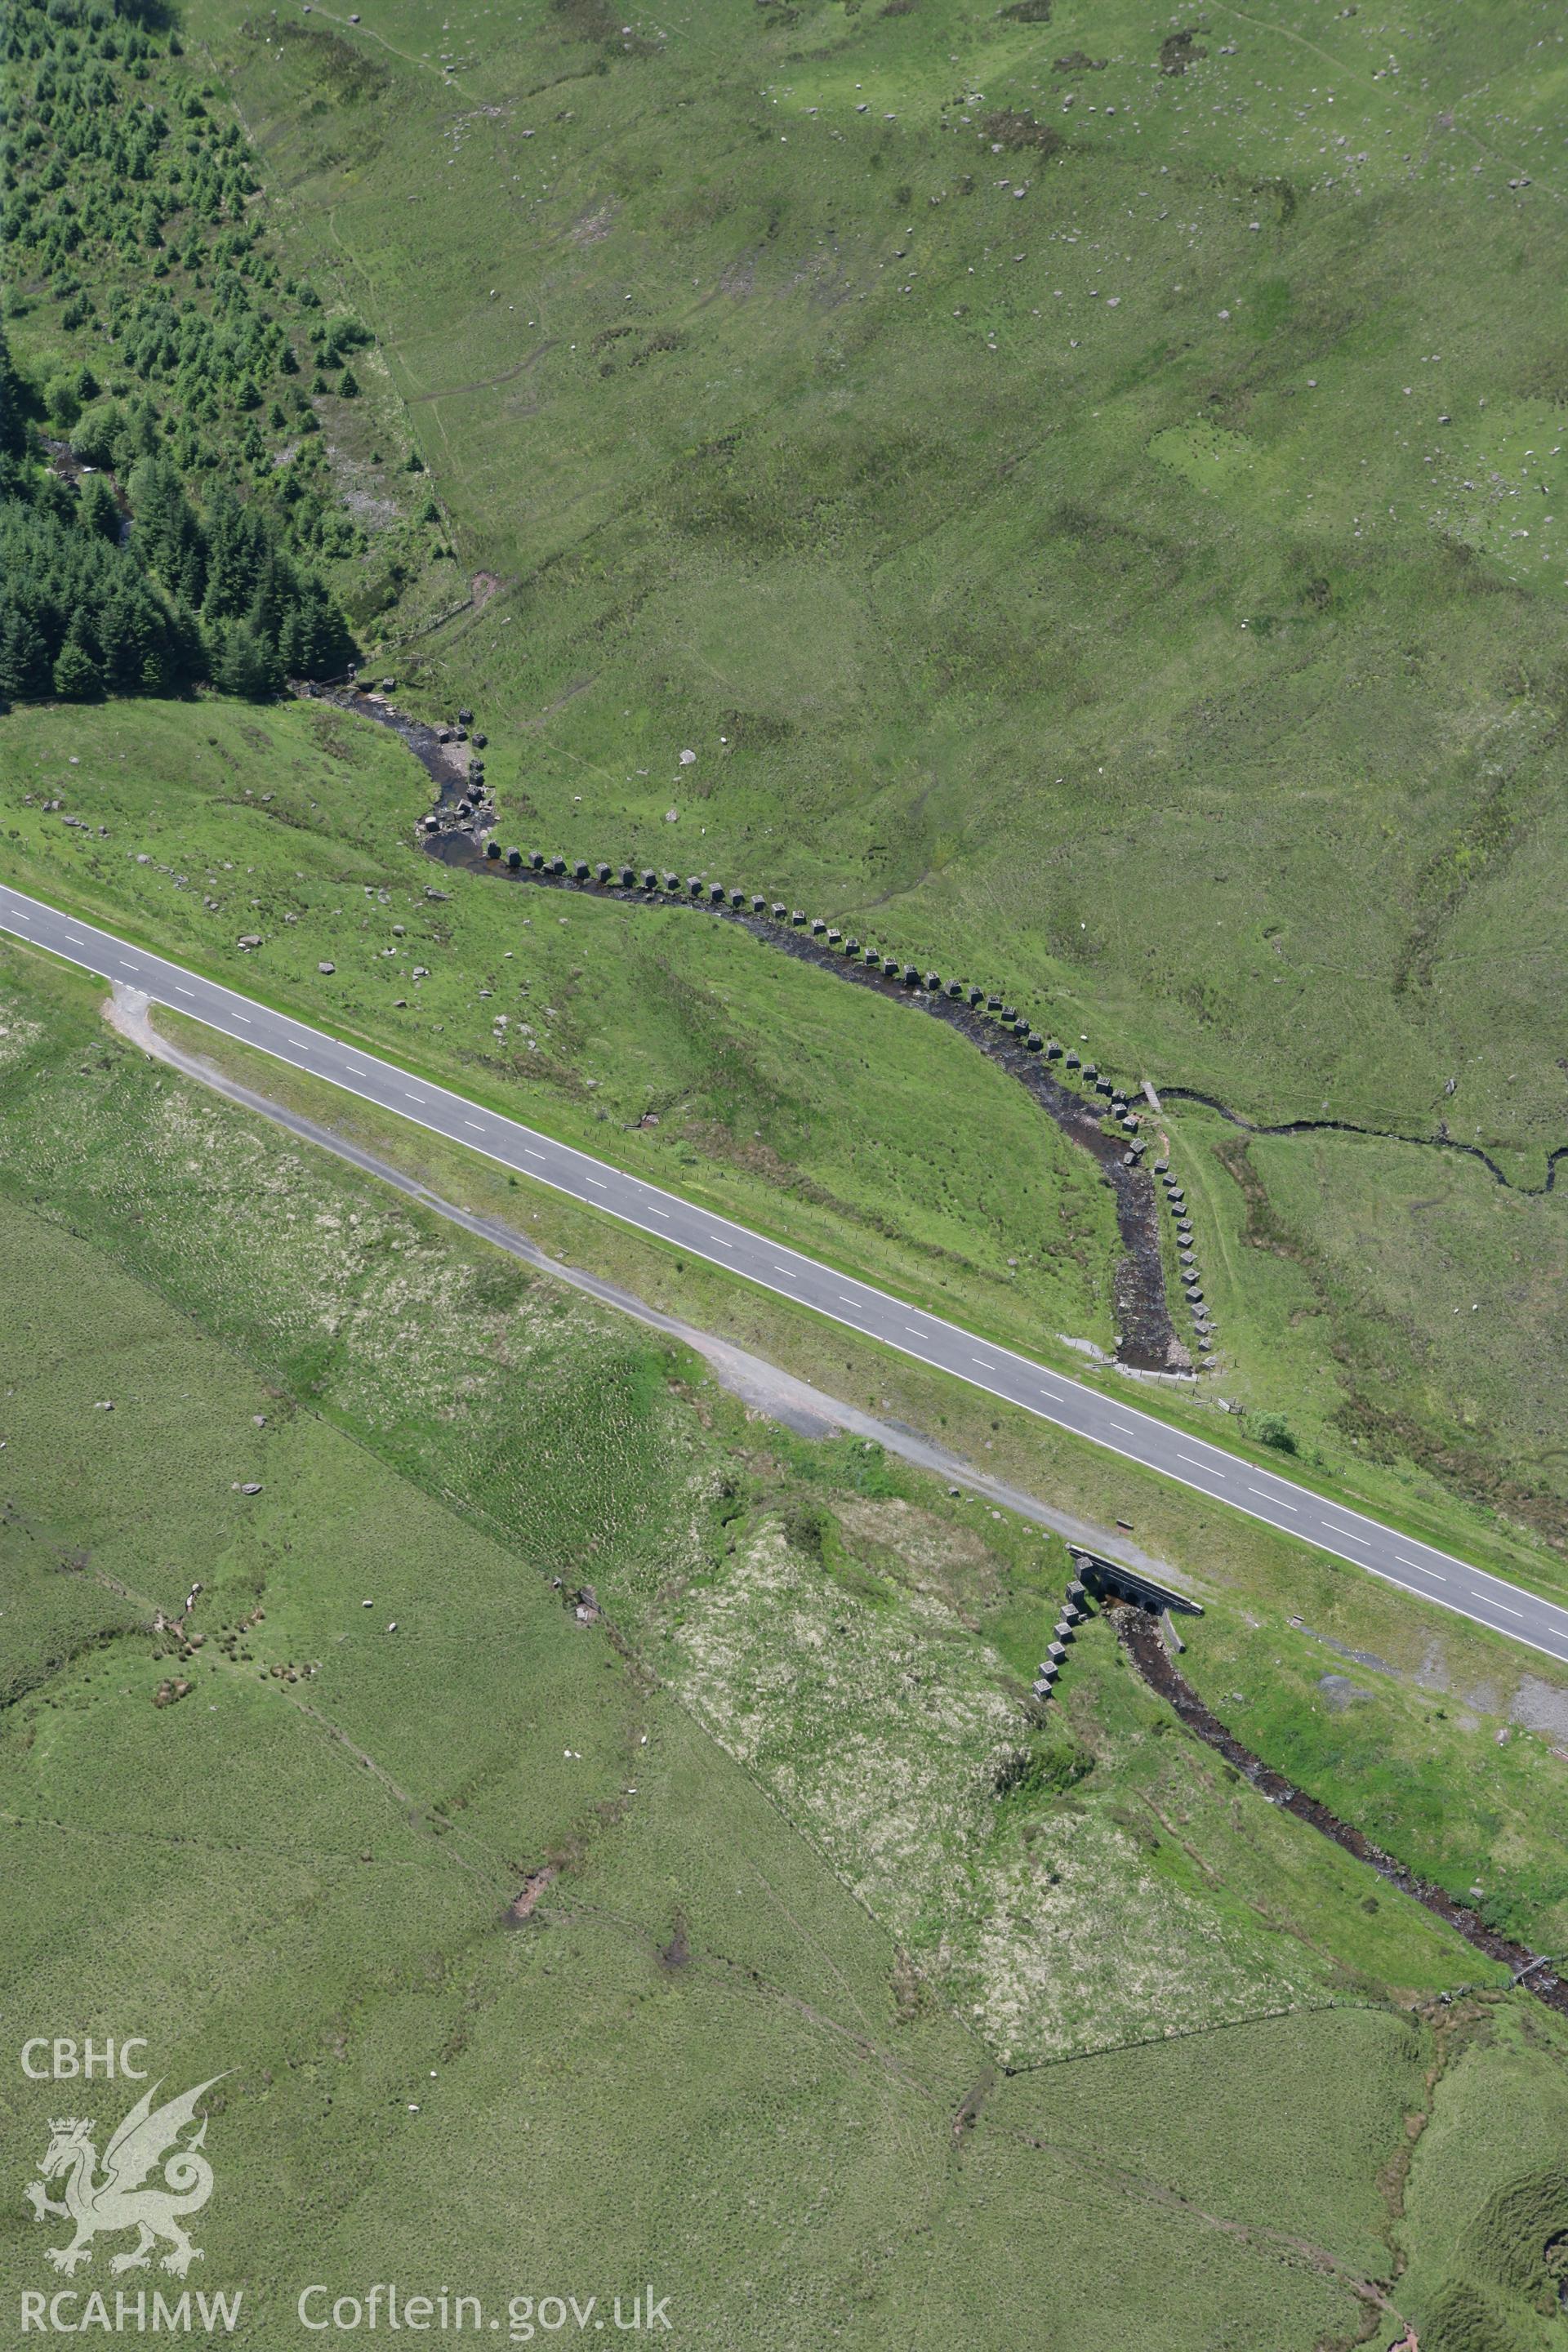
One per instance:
(1108, 1581)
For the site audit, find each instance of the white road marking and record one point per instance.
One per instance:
(651, 1210)
(245, 1017)
(1198, 1464)
(1497, 1604)
(475, 1124)
(182, 992)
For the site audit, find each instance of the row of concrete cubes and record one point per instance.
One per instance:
(910, 975)
(1075, 1609)
(1192, 1279)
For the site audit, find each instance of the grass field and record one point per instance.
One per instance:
(1148, 588)
(794, 1620)
(850, 1126)
(815, 1917)
(1070, 517)
(1390, 1713)
(1484, 2269)
(844, 1121)
(1131, 589)
(1388, 1303)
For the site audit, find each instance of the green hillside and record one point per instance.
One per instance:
(1068, 496)
(1055, 482)
(560, 1952)
(1053, 470)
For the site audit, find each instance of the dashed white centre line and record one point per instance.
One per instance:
(354, 1070)
(127, 967)
(477, 1129)
(182, 992)
(651, 1210)
(1278, 1500)
(1498, 1605)
(74, 941)
(596, 1182)
(246, 1018)
(1197, 1465)
(533, 1155)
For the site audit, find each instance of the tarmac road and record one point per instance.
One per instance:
(1106, 1421)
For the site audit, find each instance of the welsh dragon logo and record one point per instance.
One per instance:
(116, 2199)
